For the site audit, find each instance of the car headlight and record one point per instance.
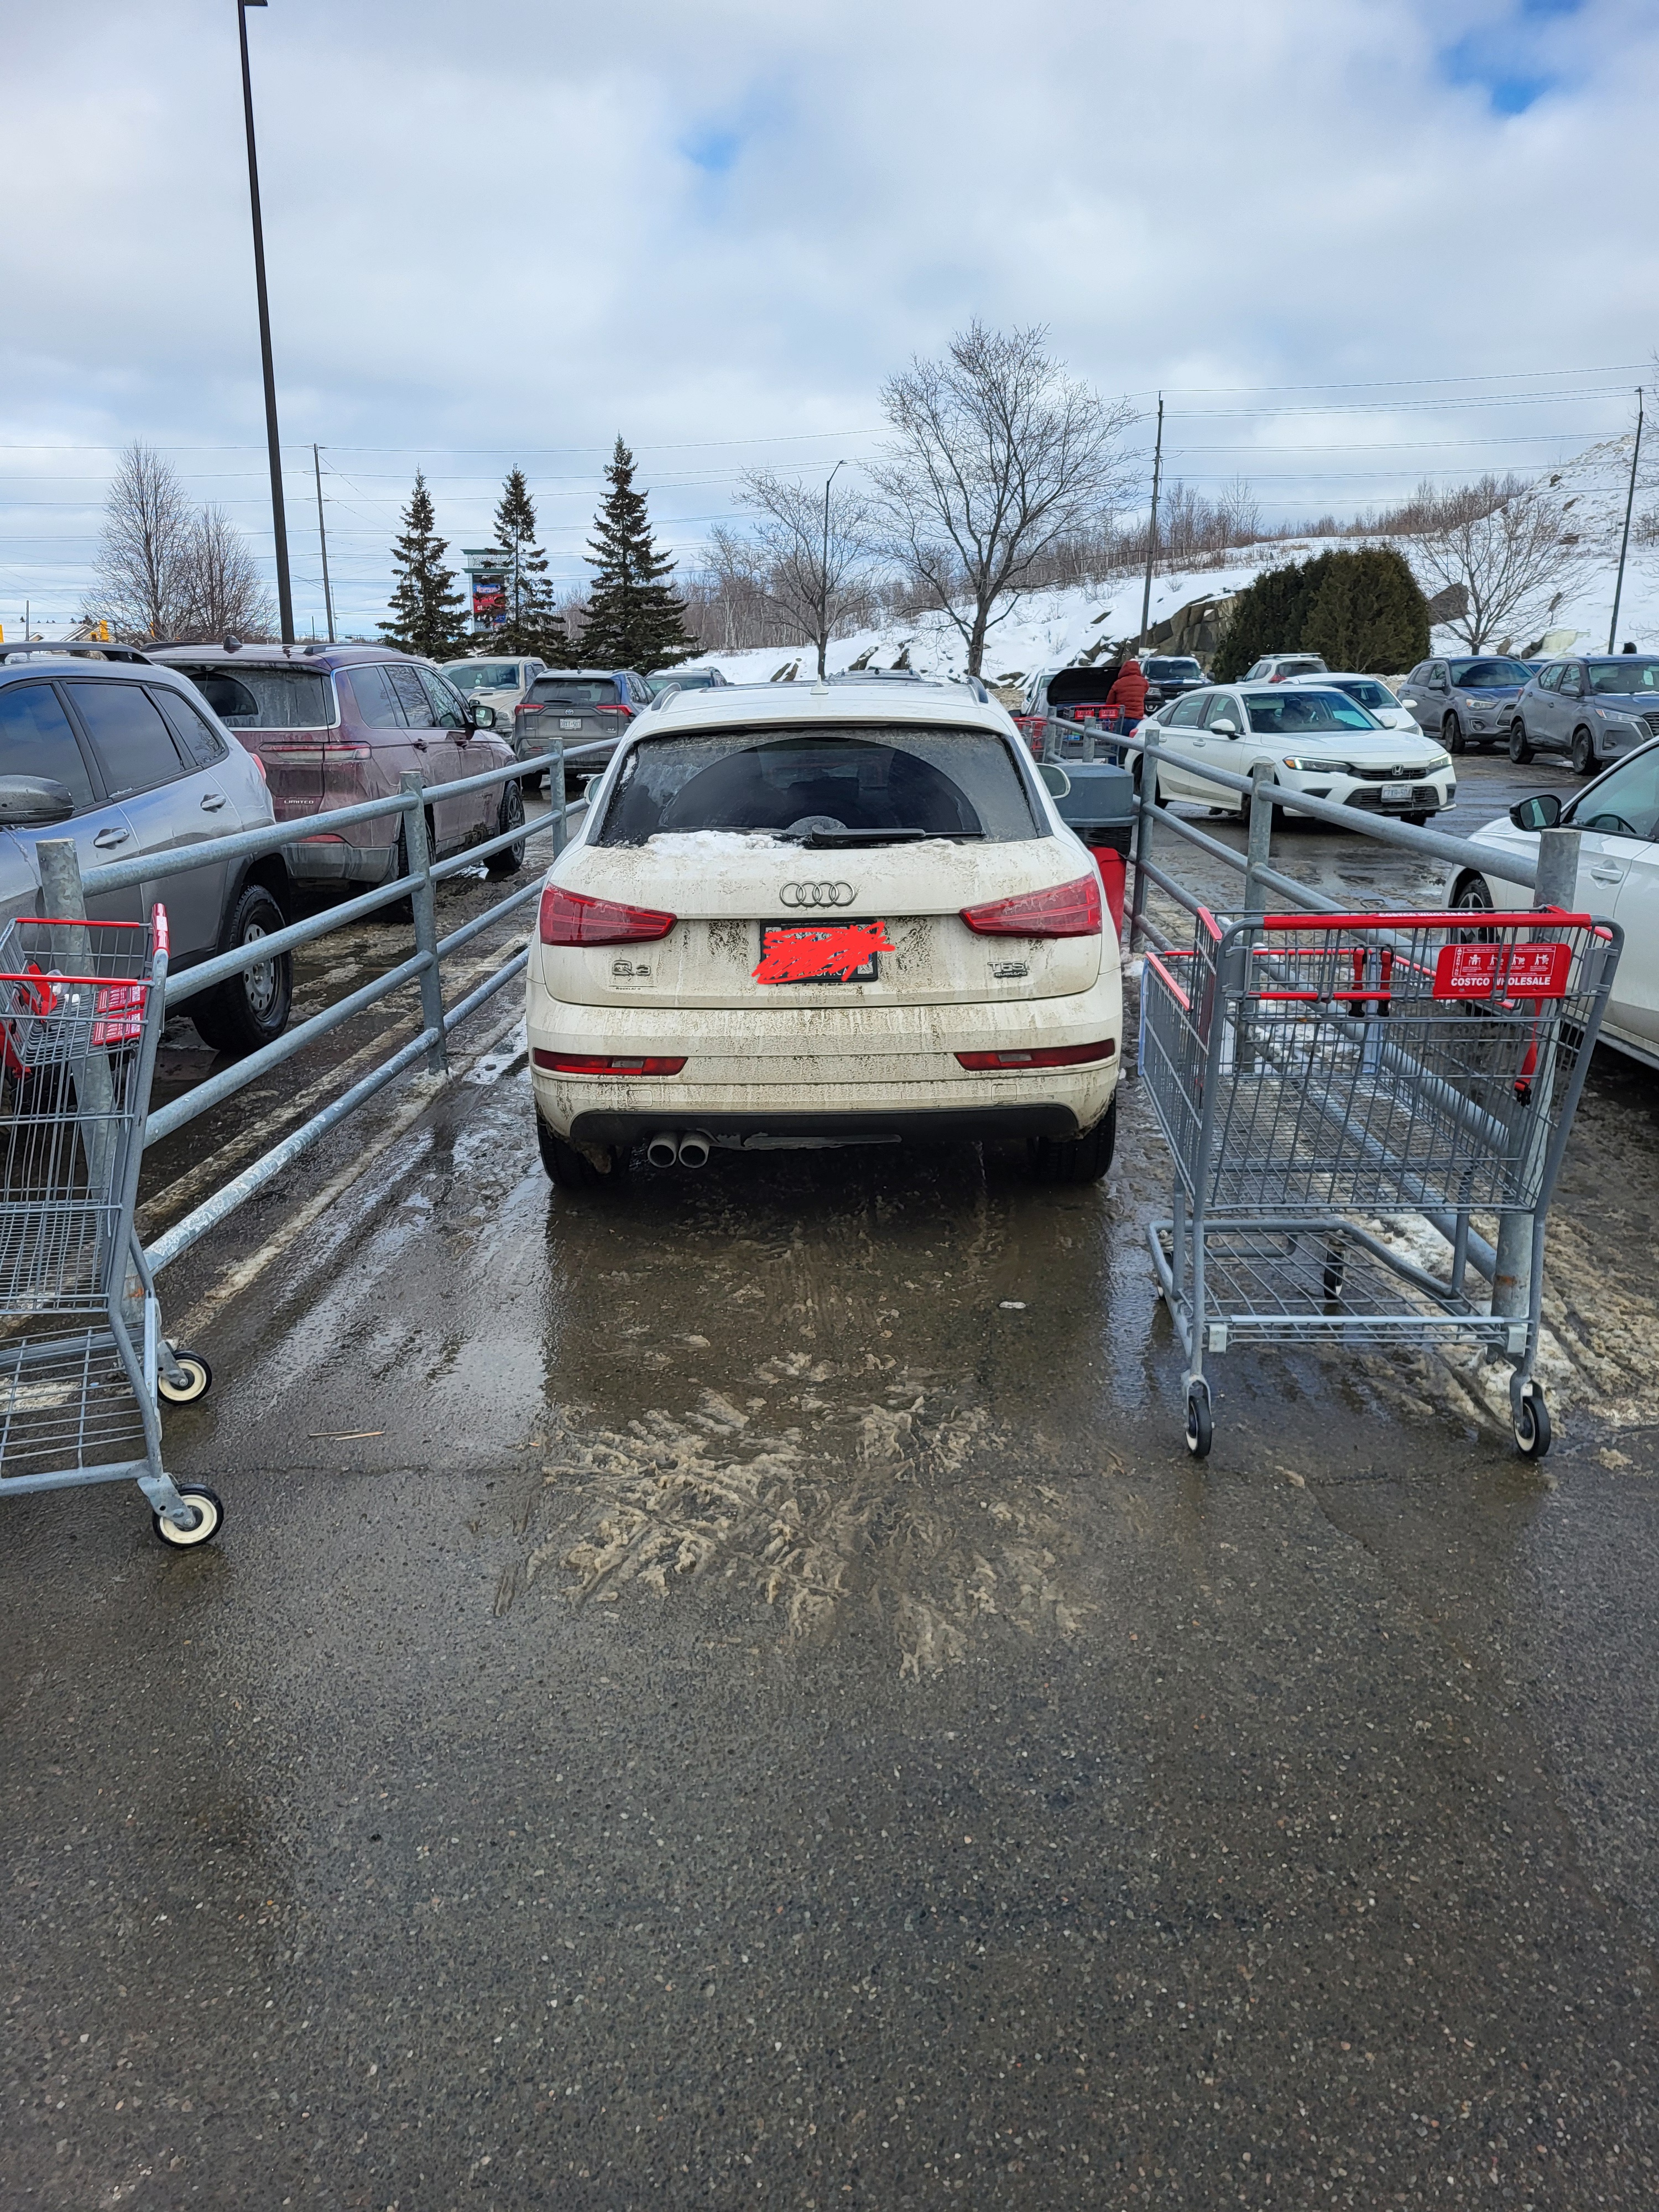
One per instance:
(1433, 766)
(1303, 766)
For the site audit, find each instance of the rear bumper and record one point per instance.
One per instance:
(938, 1125)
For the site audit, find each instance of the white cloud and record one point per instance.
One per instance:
(505, 227)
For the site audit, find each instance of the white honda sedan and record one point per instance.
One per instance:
(823, 916)
(1314, 739)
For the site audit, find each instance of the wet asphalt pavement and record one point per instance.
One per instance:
(733, 1692)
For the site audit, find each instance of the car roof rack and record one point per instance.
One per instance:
(93, 648)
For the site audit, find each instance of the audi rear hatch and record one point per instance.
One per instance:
(821, 869)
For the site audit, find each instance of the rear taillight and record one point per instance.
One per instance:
(260, 765)
(590, 1063)
(527, 707)
(1068, 910)
(1051, 1055)
(616, 707)
(567, 918)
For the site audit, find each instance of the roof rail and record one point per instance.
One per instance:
(93, 648)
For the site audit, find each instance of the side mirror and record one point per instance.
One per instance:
(1055, 777)
(33, 802)
(1542, 812)
(483, 718)
(1223, 728)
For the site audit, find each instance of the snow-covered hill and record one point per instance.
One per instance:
(1052, 628)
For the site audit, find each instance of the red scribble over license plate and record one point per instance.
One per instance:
(1504, 971)
(827, 952)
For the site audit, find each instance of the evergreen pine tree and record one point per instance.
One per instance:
(426, 608)
(533, 622)
(634, 618)
(1369, 614)
(1358, 611)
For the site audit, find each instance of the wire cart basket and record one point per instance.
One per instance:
(1328, 1085)
(84, 1363)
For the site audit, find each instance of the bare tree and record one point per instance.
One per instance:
(143, 556)
(810, 546)
(997, 456)
(222, 590)
(1505, 542)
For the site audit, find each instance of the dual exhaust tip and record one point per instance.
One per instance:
(687, 1148)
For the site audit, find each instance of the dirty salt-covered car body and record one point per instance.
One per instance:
(847, 915)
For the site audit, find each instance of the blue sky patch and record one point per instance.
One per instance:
(712, 151)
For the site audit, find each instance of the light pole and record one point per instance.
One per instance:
(1623, 543)
(824, 575)
(278, 518)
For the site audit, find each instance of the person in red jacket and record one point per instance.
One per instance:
(1129, 692)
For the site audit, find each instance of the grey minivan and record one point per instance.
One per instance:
(1593, 709)
(100, 745)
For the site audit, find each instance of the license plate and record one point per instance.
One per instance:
(1396, 794)
(570, 721)
(822, 952)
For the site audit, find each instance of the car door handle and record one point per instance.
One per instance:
(1607, 875)
(419, 744)
(213, 800)
(106, 838)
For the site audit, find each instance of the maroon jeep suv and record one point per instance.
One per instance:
(334, 724)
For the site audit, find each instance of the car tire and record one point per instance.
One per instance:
(1160, 796)
(572, 1169)
(1451, 734)
(1470, 894)
(1417, 821)
(249, 1010)
(509, 815)
(1076, 1160)
(1520, 748)
(1584, 762)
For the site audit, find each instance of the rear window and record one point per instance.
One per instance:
(689, 680)
(1173, 672)
(484, 675)
(573, 691)
(251, 697)
(943, 782)
(1286, 714)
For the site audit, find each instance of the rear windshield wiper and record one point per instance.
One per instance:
(825, 841)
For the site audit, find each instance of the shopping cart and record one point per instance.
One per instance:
(82, 1359)
(1334, 1087)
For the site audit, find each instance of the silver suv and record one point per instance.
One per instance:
(100, 745)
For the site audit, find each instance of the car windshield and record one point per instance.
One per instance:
(573, 691)
(1487, 675)
(1627, 673)
(1174, 672)
(256, 697)
(1368, 693)
(484, 674)
(1286, 714)
(869, 778)
(688, 679)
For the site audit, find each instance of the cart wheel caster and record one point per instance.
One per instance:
(1332, 1276)
(211, 1517)
(1198, 1422)
(1532, 1424)
(198, 1380)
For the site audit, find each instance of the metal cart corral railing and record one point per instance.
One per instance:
(1322, 1080)
(64, 889)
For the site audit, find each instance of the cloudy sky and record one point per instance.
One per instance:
(1353, 241)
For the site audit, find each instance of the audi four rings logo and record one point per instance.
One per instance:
(817, 894)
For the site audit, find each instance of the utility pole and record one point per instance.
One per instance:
(322, 539)
(1151, 527)
(278, 518)
(1624, 545)
(824, 577)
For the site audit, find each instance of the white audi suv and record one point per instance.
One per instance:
(822, 915)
